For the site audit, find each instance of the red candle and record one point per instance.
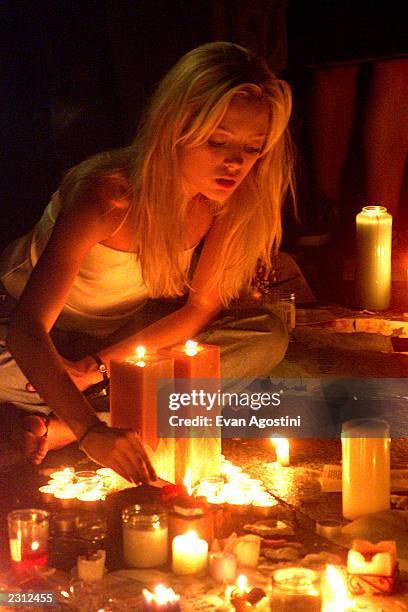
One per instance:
(133, 404)
(197, 361)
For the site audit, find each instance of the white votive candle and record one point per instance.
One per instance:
(93, 567)
(189, 554)
(145, 534)
(223, 566)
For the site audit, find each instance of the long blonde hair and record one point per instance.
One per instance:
(187, 106)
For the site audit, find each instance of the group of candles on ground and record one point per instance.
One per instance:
(147, 531)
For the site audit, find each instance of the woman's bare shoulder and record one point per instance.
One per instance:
(103, 197)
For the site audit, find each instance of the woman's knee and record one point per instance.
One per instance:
(272, 345)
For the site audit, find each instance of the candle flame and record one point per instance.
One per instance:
(187, 482)
(336, 585)
(140, 354)
(242, 583)
(35, 545)
(192, 537)
(282, 449)
(161, 596)
(191, 348)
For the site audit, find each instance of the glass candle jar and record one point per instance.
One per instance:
(296, 589)
(28, 537)
(87, 480)
(145, 534)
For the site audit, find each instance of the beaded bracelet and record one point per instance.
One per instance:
(101, 367)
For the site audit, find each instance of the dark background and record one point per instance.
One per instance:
(76, 75)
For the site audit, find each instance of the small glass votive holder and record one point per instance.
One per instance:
(28, 538)
(283, 304)
(87, 480)
(145, 535)
(296, 589)
(209, 486)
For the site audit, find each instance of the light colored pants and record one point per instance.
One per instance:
(252, 342)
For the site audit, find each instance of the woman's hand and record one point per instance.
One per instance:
(122, 451)
(84, 373)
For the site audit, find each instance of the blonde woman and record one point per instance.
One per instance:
(211, 163)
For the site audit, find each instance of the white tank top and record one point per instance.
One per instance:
(107, 291)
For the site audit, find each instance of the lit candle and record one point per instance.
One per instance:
(335, 595)
(66, 496)
(238, 594)
(134, 404)
(295, 589)
(197, 361)
(91, 500)
(365, 467)
(263, 506)
(28, 538)
(63, 476)
(47, 493)
(189, 554)
(161, 600)
(373, 274)
(282, 450)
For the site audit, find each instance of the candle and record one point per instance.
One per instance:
(263, 506)
(373, 559)
(223, 566)
(161, 600)
(295, 589)
(47, 493)
(66, 497)
(145, 535)
(134, 405)
(247, 548)
(189, 554)
(373, 274)
(282, 450)
(366, 467)
(238, 594)
(197, 361)
(28, 538)
(335, 595)
(371, 568)
(189, 514)
(91, 568)
(63, 476)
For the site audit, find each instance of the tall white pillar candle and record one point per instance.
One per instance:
(366, 467)
(373, 273)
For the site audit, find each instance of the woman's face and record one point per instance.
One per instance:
(216, 168)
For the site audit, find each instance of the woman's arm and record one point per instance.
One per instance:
(89, 217)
